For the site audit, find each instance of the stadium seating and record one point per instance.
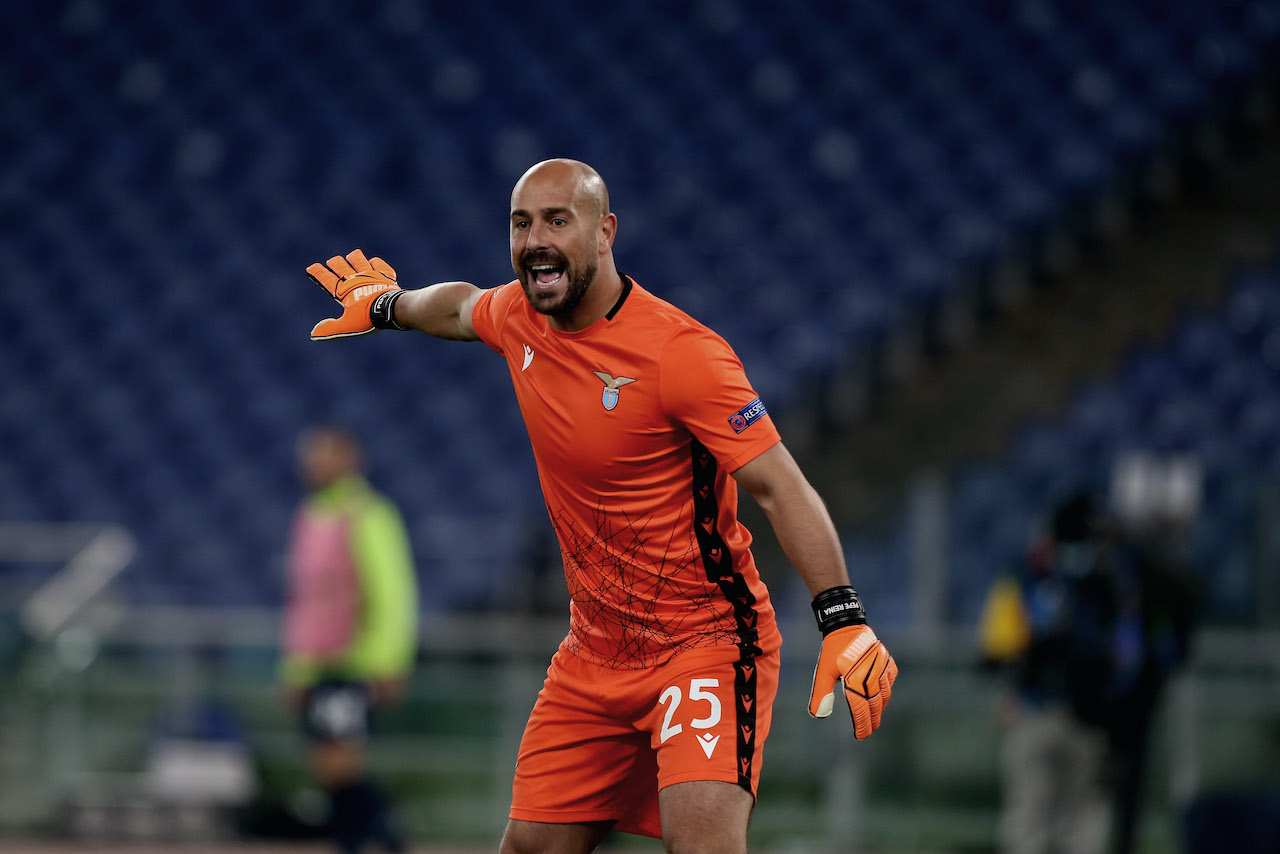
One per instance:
(808, 178)
(1212, 392)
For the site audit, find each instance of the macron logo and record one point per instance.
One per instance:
(708, 742)
(528, 358)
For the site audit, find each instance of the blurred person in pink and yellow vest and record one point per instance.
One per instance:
(350, 629)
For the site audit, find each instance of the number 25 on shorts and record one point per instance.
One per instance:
(671, 697)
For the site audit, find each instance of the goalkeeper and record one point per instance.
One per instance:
(656, 707)
(350, 629)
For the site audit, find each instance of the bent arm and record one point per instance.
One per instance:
(442, 310)
(799, 518)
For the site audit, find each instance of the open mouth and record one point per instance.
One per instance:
(546, 277)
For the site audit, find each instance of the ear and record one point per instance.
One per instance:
(608, 231)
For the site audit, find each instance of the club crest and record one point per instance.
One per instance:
(609, 398)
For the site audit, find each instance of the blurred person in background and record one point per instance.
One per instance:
(1051, 629)
(1154, 618)
(350, 630)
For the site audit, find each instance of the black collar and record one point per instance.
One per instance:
(622, 297)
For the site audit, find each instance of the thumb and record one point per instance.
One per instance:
(822, 693)
(338, 327)
(327, 328)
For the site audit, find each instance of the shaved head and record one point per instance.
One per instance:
(586, 186)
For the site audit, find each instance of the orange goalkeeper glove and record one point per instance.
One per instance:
(365, 287)
(852, 655)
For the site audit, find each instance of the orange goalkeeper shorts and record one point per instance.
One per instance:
(600, 743)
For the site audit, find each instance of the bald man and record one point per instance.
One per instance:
(657, 705)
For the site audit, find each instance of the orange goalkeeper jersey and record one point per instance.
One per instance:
(637, 423)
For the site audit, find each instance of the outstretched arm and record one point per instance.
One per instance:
(372, 299)
(851, 653)
(442, 310)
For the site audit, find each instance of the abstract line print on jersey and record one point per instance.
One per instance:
(615, 586)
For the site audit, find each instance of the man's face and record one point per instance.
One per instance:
(555, 242)
(325, 457)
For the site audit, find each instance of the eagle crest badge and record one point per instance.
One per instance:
(609, 398)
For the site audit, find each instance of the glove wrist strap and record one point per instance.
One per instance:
(837, 607)
(382, 311)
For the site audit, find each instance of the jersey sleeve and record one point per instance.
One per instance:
(704, 388)
(490, 313)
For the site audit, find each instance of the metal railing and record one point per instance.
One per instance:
(96, 681)
(76, 728)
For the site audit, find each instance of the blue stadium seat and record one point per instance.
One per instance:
(811, 182)
(1206, 392)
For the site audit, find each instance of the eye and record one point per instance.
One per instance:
(520, 224)
(559, 221)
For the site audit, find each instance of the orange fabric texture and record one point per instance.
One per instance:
(601, 743)
(354, 281)
(637, 423)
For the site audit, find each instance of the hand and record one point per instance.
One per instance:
(355, 282)
(854, 656)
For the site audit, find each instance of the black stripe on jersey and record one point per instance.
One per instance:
(720, 569)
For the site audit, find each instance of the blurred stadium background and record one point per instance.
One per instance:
(975, 256)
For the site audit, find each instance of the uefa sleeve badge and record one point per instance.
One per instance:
(747, 415)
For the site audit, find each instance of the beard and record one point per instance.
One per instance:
(579, 281)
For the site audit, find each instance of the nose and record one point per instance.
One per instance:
(536, 236)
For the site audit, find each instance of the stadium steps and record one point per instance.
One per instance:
(1026, 363)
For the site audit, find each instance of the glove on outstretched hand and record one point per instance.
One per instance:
(356, 282)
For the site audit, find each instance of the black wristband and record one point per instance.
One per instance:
(382, 311)
(837, 607)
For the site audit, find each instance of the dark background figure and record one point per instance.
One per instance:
(1096, 626)
(1154, 619)
(1050, 630)
(350, 629)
